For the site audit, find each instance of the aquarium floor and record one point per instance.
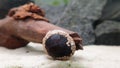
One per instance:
(33, 56)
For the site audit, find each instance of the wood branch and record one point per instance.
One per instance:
(26, 24)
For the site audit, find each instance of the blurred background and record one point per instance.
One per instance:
(96, 21)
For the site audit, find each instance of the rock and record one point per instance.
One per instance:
(53, 13)
(108, 32)
(6, 5)
(111, 11)
(79, 16)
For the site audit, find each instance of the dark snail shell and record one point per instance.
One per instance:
(59, 45)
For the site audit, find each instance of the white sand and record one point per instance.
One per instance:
(33, 56)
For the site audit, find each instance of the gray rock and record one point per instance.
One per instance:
(79, 16)
(53, 13)
(111, 11)
(108, 33)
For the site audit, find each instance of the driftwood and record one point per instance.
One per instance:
(26, 24)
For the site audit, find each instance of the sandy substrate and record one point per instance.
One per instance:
(33, 56)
